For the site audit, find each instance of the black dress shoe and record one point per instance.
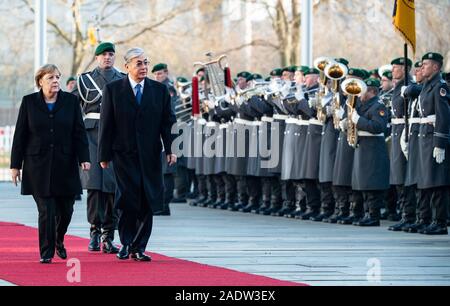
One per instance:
(366, 222)
(61, 252)
(141, 257)
(179, 200)
(226, 205)
(124, 253)
(349, 220)
(249, 208)
(272, 209)
(435, 229)
(320, 217)
(165, 212)
(335, 218)
(237, 206)
(45, 261)
(309, 214)
(94, 244)
(400, 226)
(109, 248)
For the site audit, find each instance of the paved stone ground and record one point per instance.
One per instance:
(293, 250)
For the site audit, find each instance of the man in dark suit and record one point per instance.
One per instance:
(136, 114)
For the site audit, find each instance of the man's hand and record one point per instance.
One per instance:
(402, 91)
(104, 165)
(86, 166)
(15, 175)
(343, 125)
(439, 155)
(355, 117)
(171, 159)
(340, 113)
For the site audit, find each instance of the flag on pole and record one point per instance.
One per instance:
(404, 20)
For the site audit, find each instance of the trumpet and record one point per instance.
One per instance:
(353, 88)
(336, 72)
(320, 64)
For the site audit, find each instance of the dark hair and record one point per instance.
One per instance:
(46, 69)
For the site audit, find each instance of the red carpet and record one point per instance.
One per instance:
(19, 264)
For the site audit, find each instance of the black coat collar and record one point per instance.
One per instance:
(128, 92)
(43, 105)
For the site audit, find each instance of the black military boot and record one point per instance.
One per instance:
(94, 243)
(263, 207)
(435, 228)
(367, 221)
(400, 226)
(300, 208)
(253, 204)
(242, 202)
(209, 201)
(200, 199)
(286, 208)
(310, 213)
(321, 216)
(218, 203)
(352, 218)
(420, 225)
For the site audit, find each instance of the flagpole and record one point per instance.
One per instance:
(406, 100)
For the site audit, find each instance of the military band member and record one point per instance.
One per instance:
(371, 161)
(434, 145)
(100, 183)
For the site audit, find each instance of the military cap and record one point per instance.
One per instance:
(200, 70)
(388, 74)
(276, 72)
(267, 79)
(342, 61)
(372, 82)
(235, 80)
(70, 79)
(433, 56)
(159, 67)
(356, 72)
(401, 61)
(418, 64)
(244, 74)
(374, 72)
(292, 68)
(257, 76)
(182, 80)
(105, 47)
(312, 71)
(302, 69)
(366, 73)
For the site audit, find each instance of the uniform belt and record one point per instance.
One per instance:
(95, 116)
(267, 119)
(280, 117)
(428, 120)
(201, 121)
(367, 134)
(413, 120)
(397, 121)
(242, 121)
(315, 122)
(224, 126)
(297, 121)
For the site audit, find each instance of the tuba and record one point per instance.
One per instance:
(320, 64)
(336, 72)
(353, 88)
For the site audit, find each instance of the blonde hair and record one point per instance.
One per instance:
(46, 69)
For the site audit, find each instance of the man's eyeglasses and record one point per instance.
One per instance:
(140, 64)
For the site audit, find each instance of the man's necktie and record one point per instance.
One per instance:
(138, 94)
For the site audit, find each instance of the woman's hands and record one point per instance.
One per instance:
(15, 175)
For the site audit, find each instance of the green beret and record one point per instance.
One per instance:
(182, 80)
(374, 72)
(200, 70)
(70, 79)
(418, 64)
(292, 68)
(342, 61)
(372, 82)
(244, 74)
(401, 61)
(276, 72)
(257, 76)
(159, 67)
(302, 69)
(434, 56)
(356, 73)
(235, 80)
(388, 74)
(267, 79)
(105, 47)
(312, 71)
(366, 73)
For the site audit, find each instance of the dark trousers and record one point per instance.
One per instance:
(373, 202)
(392, 199)
(326, 197)
(192, 181)
(408, 202)
(182, 182)
(276, 193)
(342, 196)
(202, 185)
(230, 188)
(433, 204)
(254, 189)
(101, 214)
(219, 182)
(55, 215)
(312, 195)
(357, 203)
(300, 195)
(241, 187)
(135, 226)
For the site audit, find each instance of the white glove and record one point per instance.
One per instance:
(343, 125)
(355, 117)
(402, 91)
(299, 95)
(329, 110)
(439, 155)
(340, 113)
(404, 144)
